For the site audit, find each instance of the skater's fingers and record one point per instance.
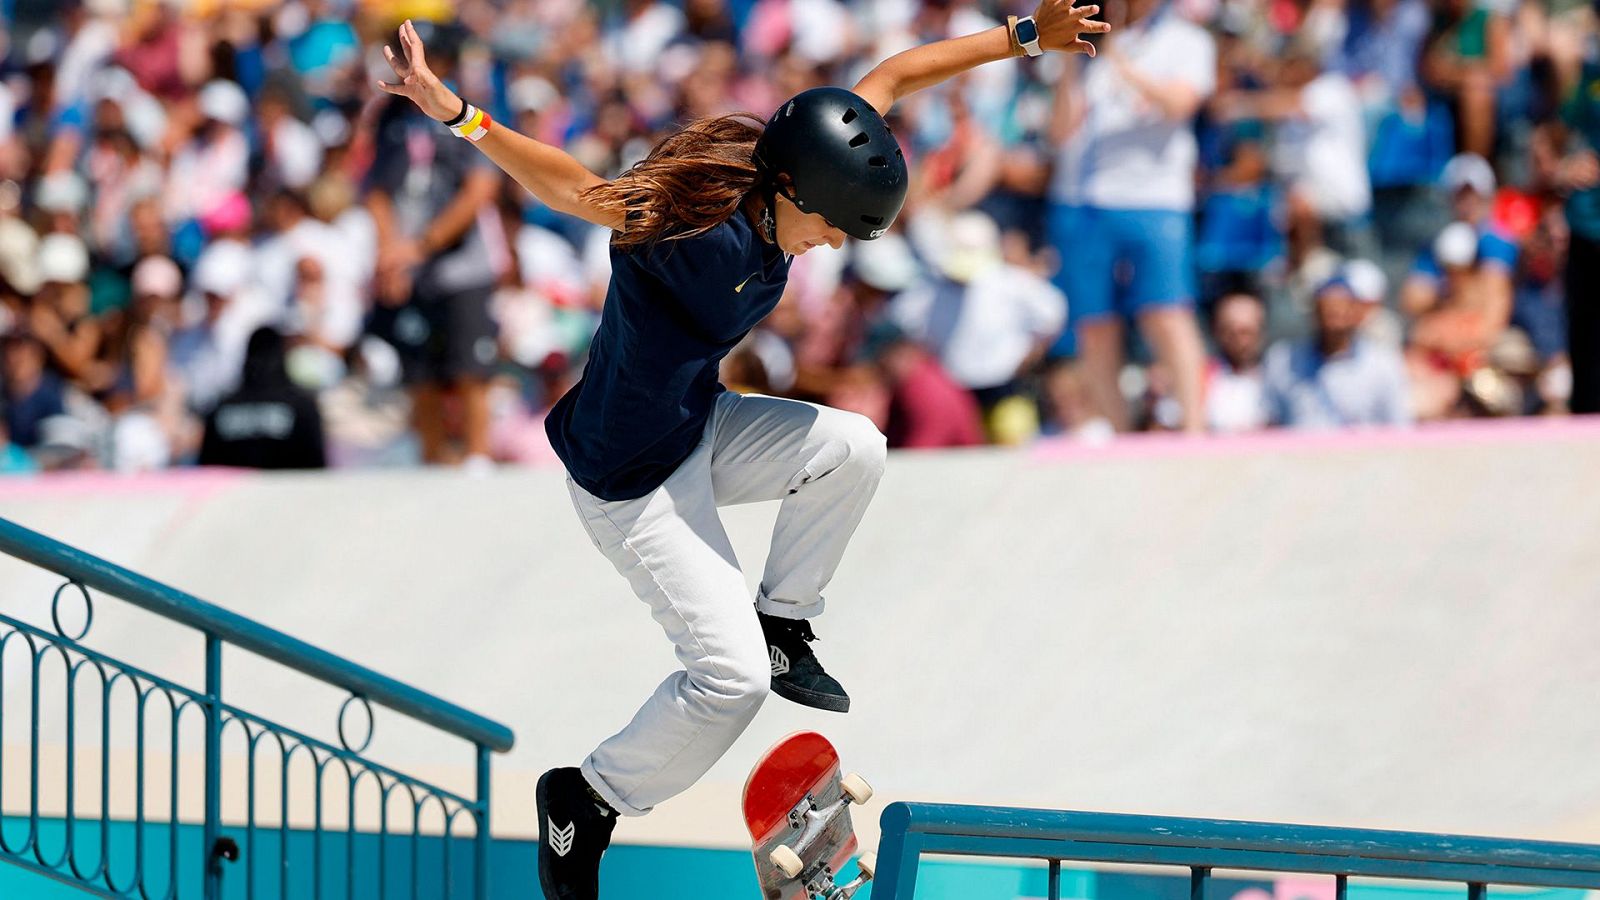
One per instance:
(394, 61)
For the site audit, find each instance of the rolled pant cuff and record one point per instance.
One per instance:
(599, 786)
(783, 609)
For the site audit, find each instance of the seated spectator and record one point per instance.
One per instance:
(927, 408)
(1451, 338)
(33, 393)
(268, 423)
(1236, 398)
(1336, 379)
(987, 321)
(1470, 183)
(1239, 231)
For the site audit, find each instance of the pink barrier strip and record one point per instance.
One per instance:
(1443, 434)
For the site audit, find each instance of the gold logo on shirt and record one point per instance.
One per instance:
(744, 282)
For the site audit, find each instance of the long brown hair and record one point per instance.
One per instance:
(691, 182)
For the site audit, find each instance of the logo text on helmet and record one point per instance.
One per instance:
(878, 233)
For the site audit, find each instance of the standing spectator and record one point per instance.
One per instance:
(1411, 145)
(268, 423)
(208, 354)
(1337, 379)
(431, 197)
(987, 321)
(1236, 391)
(1123, 195)
(1580, 174)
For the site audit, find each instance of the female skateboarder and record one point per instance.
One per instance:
(705, 228)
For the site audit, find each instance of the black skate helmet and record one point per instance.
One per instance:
(841, 160)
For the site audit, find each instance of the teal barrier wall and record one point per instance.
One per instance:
(680, 873)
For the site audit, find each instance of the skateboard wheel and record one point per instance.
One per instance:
(868, 864)
(787, 861)
(856, 788)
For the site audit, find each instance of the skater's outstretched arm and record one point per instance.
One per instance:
(549, 173)
(1060, 24)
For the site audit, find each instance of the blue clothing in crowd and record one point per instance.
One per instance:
(1408, 151)
(1494, 248)
(24, 414)
(673, 311)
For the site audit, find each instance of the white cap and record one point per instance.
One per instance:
(1366, 280)
(1456, 245)
(225, 102)
(886, 263)
(63, 258)
(158, 276)
(1469, 170)
(222, 269)
(972, 245)
(61, 192)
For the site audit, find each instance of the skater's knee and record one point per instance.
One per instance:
(739, 684)
(859, 445)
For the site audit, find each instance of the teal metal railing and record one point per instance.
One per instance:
(153, 856)
(1202, 845)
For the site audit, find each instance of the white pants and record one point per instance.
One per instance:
(824, 464)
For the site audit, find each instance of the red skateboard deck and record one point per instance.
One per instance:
(796, 799)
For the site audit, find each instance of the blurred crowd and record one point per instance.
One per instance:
(220, 245)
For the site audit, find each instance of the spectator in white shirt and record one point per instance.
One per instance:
(1236, 391)
(1123, 198)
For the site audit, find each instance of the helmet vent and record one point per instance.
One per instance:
(860, 139)
(849, 115)
(877, 162)
(873, 220)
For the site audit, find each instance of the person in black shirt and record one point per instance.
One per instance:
(269, 422)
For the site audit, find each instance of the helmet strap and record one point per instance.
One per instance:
(768, 221)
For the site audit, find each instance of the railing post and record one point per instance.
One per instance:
(1055, 879)
(213, 825)
(481, 844)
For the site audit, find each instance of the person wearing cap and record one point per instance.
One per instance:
(1123, 196)
(1469, 182)
(704, 232)
(1338, 378)
(59, 315)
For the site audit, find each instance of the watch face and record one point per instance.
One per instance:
(1027, 31)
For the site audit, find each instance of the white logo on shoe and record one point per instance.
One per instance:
(780, 662)
(561, 838)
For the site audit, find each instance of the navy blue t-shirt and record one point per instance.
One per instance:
(673, 311)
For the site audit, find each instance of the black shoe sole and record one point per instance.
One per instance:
(794, 694)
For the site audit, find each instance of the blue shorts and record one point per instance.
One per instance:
(1122, 261)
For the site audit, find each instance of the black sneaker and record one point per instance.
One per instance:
(574, 831)
(796, 674)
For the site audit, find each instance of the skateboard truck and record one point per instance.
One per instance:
(814, 823)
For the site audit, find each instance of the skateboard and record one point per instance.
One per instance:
(798, 810)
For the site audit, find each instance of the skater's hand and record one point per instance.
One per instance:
(417, 82)
(1060, 24)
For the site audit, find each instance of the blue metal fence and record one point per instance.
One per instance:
(163, 861)
(1202, 845)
